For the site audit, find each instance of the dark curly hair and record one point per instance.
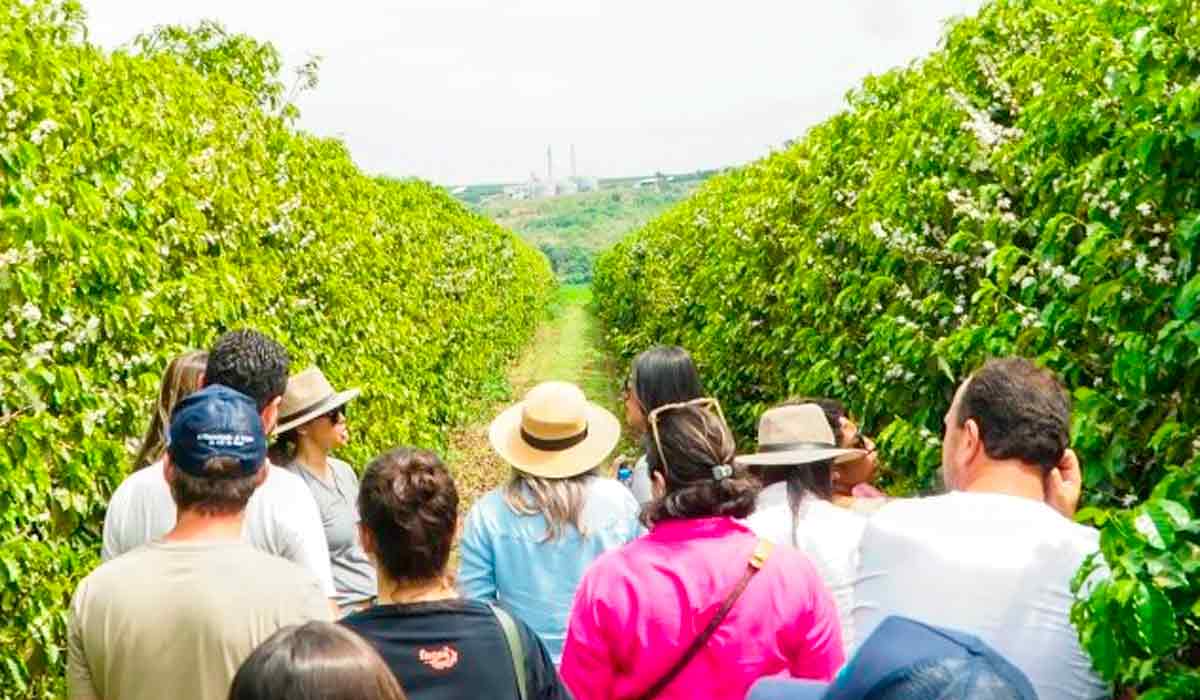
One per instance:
(409, 504)
(1022, 410)
(694, 440)
(249, 362)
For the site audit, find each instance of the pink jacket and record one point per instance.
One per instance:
(638, 608)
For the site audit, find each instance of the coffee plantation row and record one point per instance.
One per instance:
(152, 198)
(1029, 188)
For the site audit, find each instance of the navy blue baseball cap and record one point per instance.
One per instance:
(904, 659)
(217, 422)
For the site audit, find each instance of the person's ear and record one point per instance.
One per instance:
(973, 439)
(168, 467)
(270, 415)
(261, 476)
(658, 485)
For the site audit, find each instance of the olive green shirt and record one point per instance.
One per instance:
(176, 619)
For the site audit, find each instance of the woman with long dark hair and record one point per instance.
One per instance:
(700, 606)
(312, 423)
(797, 455)
(659, 376)
(314, 661)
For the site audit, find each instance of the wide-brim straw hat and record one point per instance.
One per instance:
(309, 394)
(790, 435)
(555, 432)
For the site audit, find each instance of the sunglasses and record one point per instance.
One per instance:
(711, 405)
(336, 415)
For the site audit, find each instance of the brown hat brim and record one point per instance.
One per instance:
(806, 455)
(341, 398)
(604, 431)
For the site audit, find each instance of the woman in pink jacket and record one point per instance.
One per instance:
(699, 607)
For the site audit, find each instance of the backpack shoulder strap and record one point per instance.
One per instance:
(516, 648)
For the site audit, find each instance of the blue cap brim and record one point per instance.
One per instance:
(787, 689)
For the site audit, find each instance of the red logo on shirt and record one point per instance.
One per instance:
(442, 659)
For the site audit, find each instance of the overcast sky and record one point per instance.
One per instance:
(468, 91)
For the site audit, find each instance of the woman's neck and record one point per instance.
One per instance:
(393, 593)
(313, 458)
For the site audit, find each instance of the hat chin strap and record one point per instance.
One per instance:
(553, 445)
(790, 446)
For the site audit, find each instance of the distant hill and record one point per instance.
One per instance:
(571, 229)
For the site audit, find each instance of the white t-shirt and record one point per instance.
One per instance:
(281, 519)
(996, 566)
(829, 535)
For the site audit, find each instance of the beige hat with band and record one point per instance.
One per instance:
(800, 434)
(309, 395)
(555, 432)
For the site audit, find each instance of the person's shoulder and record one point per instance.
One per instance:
(116, 573)
(490, 505)
(139, 483)
(614, 492)
(288, 575)
(342, 467)
(281, 483)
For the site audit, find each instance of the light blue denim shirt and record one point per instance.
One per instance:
(504, 556)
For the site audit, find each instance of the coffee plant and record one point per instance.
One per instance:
(154, 197)
(1029, 188)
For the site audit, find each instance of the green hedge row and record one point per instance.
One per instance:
(153, 198)
(1029, 188)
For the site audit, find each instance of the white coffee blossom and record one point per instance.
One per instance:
(31, 313)
(8, 329)
(1145, 208)
(68, 347)
(1126, 245)
(1028, 282)
(42, 130)
(42, 350)
(1070, 281)
(1161, 274)
(1141, 262)
(1155, 242)
(958, 309)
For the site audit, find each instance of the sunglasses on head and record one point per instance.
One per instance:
(711, 405)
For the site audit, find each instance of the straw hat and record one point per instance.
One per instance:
(309, 394)
(555, 433)
(790, 435)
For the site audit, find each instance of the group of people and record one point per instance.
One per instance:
(238, 569)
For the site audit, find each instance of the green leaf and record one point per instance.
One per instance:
(1156, 626)
(1188, 299)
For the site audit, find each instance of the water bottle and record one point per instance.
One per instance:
(625, 474)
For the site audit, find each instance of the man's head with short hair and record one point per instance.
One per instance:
(216, 452)
(1009, 410)
(257, 366)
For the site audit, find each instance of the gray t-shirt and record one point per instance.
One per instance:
(281, 519)
(337, 501)
(176, 619)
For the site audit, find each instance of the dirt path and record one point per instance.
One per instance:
(567, 347)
